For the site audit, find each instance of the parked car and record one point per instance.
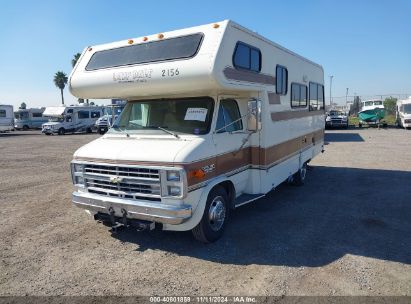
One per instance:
(336, 119)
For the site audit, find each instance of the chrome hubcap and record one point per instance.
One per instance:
(216, 213)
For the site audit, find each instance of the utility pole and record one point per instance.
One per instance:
(346, 96)
(331, 83)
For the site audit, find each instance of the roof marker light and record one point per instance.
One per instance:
(160, 36)
(130, 41)
(90, 49)
(216, 25)
(145, 39)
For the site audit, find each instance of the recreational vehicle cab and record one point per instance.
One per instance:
(404, 113)
(217, 116)
(71, 119)
(29, 118)
(6, 118)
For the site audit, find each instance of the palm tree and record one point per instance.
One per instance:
(60, 80)
(75, 59)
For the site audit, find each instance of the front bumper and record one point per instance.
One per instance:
(336, 123)
(135, 209)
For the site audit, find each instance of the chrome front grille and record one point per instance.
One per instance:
(123, 182)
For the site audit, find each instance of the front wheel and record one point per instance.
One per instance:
(62, 131)
(212, 224)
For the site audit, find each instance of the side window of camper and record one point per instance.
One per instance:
(247, 57)
(83, 114)
(316, 97)
(70, 111)
(229, 112)
(95, 114)
(298, 95)
(2, 113)
(37, 115)
(281, 75)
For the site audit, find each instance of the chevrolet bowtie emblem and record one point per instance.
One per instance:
(116, 179)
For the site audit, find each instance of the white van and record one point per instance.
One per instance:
(29, 118)
(403, 113)
(71, 119)
(6, 118)
(217, 116)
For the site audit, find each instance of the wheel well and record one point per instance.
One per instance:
(230, 190)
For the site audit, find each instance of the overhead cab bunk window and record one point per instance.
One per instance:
(281, 76)
(162, 50)
(316, 97)
(298, 95)
(247, 57)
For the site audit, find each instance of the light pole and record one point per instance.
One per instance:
(331, 83)
(346, 96)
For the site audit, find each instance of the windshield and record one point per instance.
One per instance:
(336, 113)
(21, 115)
(56, 119)
(368, 103)
(407, 108)
(185, 115)
(378, 103)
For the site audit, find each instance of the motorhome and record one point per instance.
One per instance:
(71, 119)
(372, 112)
(29, 118)
(217, 116)
(110, 114)
(403, 113)
(6, 118)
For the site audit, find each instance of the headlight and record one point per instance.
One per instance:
(77, 174)
(78, 167)
(173, 183)
(173, 176)
(328, 118)
(174, 190)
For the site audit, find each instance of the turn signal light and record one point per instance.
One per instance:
(196, 173)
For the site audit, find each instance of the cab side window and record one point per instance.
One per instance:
(228, 112)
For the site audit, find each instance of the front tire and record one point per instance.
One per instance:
(213, 222)
(62, 131)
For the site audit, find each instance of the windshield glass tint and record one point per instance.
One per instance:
(407, 108)
(167, 49)
(378, 103)
(186, 115)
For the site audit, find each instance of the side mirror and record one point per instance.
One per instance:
(254, 115)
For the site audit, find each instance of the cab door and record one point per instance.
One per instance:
(231, 140)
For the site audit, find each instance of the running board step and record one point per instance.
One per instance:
(246, 198)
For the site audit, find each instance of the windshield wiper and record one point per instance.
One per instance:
(121, 130)
(165, 130)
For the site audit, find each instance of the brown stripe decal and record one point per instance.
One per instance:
(273, 98)
(286, 115)
(242, 75)
(228, 162)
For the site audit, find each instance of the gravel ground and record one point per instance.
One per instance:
(346, 232)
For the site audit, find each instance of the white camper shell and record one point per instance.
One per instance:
(71, 119)
(29, 118)
(217, 116)
(404, 113)
(6, 118)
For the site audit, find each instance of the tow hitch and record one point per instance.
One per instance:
(118, 223)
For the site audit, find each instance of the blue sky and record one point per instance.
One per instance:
(366, 45)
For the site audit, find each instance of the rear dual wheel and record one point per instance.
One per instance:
(300, 176)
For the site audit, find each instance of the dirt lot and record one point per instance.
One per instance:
(346, 232)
